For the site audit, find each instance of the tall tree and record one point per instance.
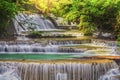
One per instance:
(91, 15)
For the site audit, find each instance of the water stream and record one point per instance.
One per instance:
(30, 47)
(53, 70)
(59, 71)
(25, 22)
(113, 74)
(54, 47)
(9, 72)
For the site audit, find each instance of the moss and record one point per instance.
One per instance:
(35, 34)
(88, 34)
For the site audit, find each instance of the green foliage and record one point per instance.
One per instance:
(101, 15)
(117, 27)
(27, 5)
(7, 11)
(35, 34)
(91, 15)
(118, 40)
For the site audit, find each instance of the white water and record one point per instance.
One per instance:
(27, 48)
(30, 47)
(25, 22)
(104, 42)
(61, 70)
(53, 47)
(113, 74)
(61, 76)
(10, 75)
(8, 72)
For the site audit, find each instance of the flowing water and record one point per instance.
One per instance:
(9, 72)
(30, 47)
(54, 47)
(58, 71)
(42, 47)
(113, 74)
(25, 22)
(50, 70)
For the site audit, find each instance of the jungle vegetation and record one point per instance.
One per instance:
(90, 15)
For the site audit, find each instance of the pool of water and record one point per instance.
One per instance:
(49, 56)
(35, 56)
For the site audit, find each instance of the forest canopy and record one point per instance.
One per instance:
(7, 11)
(90, 15)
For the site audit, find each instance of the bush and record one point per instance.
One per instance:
(35, 34)
(118, 40)
(88, 33)
(7, 12)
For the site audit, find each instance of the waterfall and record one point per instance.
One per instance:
(25, 22)
(43, 47)
(26, 47)
(8, 72)
(67, 42)
(104, 42)
(48, 46)
(113, 74)
(61, 76)
(61, 70)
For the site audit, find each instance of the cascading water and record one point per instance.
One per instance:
(61, 71)
(103, 42)
(25, 22)
(8, 72)
(69, 42)
(53, 70)
(113, 74)
(30, 47)
(51, 47)
(61, 76)
(25, 47)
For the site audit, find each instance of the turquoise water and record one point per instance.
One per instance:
(35, 56)
(47, 56)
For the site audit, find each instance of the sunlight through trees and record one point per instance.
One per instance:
(90, 15)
